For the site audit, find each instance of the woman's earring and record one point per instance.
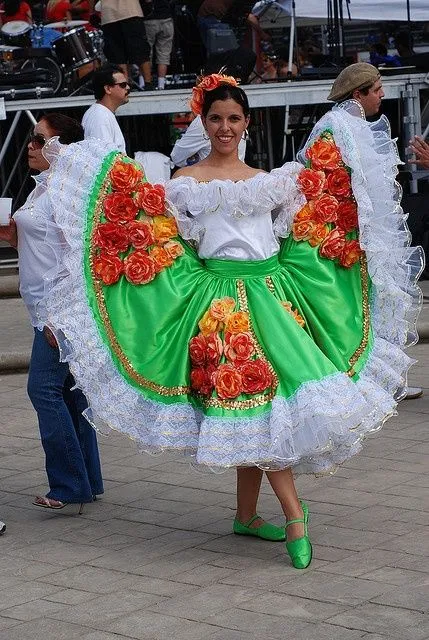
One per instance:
(245, 135)
(205, 136)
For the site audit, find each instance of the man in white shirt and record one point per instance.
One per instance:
(111, 90)
(194, 145)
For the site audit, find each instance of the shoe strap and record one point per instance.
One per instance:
(296, 521)
(251, 521)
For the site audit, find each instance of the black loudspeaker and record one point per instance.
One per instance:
(236, 62)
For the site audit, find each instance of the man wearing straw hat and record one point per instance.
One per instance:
(360, 82)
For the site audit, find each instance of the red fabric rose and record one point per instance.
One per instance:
(214, 348)
(325, 209)
(351, 253)
(198, 350)
(227, 381)
(324, 154)
(197, 101)
(347, 216)
(151, 198)
(108, 268)
(201, 380)
(338, 183)
(119, 207)
(125, 176)
(255, 376)
(139, 268)
(111, 237)
(311, 183)
(239, 347)
(333, 245)
(140, 234)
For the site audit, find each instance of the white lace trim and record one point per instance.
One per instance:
(265, 193)
(318, 428)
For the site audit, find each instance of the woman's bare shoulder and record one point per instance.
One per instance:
(184, 172)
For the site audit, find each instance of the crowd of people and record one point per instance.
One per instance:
(241, 361)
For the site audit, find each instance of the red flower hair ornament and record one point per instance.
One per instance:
(208, 83)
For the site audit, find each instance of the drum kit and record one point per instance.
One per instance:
(45, 60)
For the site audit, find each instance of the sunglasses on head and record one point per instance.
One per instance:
(123, 85)
(37, 140)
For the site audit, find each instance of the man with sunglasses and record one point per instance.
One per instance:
(111, 90)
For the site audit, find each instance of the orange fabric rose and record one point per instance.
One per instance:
(239, 347)
(323, 154)
(255, 376)
(299, 319)
(198, 350)
(208, 324)
(174, 249)
(111, 237)
(333, 245)
(238, 322)
(140, 234)
(197, 101)
(125, 176)
(214, 348)
(351, 253)
(227, 381)
(311, 183)
(119, 208)
(302, 230)
(212, 81)
(306, 213)
(201, 380)
(108, 268)
(164, 229)
(338, 183)
(318, 234)
(139, 268)
(221, 308)
(151, 198)
(161, 259)
(325, 209)
(347, 216)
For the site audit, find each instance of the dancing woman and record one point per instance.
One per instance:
(239, 319)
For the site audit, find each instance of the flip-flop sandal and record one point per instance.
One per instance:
(45, 503)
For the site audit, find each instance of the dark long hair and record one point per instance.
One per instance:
(68, 129)
(224, 92)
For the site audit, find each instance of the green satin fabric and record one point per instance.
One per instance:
(153, 323)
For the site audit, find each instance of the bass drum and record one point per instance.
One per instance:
(52, 72)
(16, 33)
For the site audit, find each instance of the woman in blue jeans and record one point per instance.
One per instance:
(70, 443)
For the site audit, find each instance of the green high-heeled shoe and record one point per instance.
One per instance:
(300, 550)
(266, 531)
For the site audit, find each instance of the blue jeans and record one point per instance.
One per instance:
(70, 443)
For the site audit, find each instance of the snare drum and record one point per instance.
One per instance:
(74, 49)
(17, 33)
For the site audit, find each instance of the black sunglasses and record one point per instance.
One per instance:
(123, 85)
(37, 140)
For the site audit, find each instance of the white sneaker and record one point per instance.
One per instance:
(2, 528)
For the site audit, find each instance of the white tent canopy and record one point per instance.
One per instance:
(379, 10)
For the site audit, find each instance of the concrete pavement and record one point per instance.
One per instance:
(154, 558)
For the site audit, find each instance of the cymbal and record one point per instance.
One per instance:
(66, 24)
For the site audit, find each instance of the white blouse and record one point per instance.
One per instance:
(237, 220)
(36, 254)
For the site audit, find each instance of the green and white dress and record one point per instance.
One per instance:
(260, 322)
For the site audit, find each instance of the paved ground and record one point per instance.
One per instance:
(155, 559)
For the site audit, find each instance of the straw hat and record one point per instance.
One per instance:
(353, 77)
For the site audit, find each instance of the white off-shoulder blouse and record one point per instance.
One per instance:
(237, 220)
